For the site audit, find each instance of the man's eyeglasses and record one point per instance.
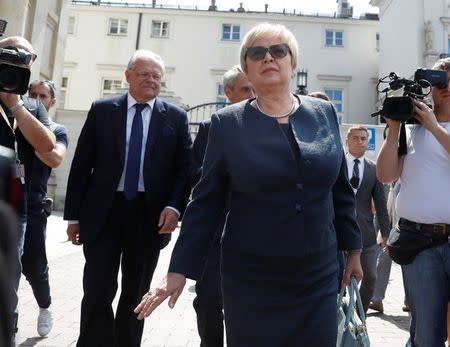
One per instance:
(276, 51)
(144, 75)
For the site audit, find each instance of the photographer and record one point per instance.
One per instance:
(24, 129)
(34, 258)
(419, 242)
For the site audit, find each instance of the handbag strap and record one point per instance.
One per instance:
(355, 301)
(362, 315)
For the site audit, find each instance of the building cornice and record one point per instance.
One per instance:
(217, 71)
(111, 66)
(70, 64)
(228, 15)
(340, 78)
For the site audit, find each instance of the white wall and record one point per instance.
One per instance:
(402, 31)
(196, 57)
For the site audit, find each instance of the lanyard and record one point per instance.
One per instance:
(19, 168)
(13, 128)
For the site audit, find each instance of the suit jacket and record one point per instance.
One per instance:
(278, 206)
(99, 160)
(198, 150)
(371, 188)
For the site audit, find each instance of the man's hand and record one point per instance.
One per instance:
(73, 232)
(168, 221)
(383, 245)
(9, 99)
(425, 115)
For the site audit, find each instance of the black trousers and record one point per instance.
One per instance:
(126, 242)
(208, 302)
(34, 258)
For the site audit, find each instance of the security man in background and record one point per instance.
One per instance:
(34, 258)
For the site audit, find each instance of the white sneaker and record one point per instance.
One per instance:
(44, 322)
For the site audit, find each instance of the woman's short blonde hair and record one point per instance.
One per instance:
(268, 30)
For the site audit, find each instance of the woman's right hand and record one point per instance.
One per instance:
(172, 285)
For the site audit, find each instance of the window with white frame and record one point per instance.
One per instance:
(231, 32)
(221, 97)
(64, 83)
(111, 86)
(334, 38)
(62, 95)
(71, 26)
(118, 26)
(336, 96)
(160, 28)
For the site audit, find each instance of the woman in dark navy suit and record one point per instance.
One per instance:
(279, 159)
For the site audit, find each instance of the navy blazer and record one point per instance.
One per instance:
(278, 207)
(99, 160)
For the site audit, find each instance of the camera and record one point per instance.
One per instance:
(14, 77)
(401, 108)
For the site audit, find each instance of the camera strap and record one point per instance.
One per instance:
(402, 148)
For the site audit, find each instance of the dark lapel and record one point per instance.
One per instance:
(119, 119)
(156, 124)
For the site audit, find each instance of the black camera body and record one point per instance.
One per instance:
(402, 108)
(14, 75)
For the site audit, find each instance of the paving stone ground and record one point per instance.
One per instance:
(167, 327)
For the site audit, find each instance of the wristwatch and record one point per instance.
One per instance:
(18, 105)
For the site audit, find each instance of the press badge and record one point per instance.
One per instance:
(19, 171)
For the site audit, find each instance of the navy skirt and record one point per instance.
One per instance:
(280, 301)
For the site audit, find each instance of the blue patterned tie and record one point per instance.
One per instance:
(134, 155)
(354, 181)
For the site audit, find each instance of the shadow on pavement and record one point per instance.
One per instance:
(401, 322)
(31, 341)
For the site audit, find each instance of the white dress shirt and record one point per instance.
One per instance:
(350, 163)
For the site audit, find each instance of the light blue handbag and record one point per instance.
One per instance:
(352, 330)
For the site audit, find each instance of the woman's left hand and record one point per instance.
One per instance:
(171, 286)
(352, 268)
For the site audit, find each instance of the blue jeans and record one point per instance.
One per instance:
(427, 280)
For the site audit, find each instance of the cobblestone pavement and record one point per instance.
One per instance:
(165, 328)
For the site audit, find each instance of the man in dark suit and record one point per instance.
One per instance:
(208, 302)
(128, 185)
(367, 189)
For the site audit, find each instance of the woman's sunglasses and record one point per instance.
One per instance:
(276, 51)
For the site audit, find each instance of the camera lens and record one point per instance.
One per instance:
(14, 79)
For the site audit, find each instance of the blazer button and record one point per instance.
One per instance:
(307, 163)
(299, 186)
(298, 207)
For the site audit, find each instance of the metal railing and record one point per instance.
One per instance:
(202, 112)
